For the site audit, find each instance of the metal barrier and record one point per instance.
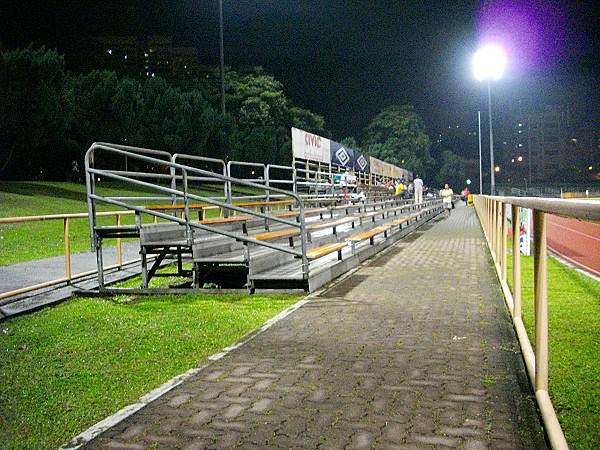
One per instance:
(492, 215)
(261, 180)
(220, 162)
(179, 172)
(69, 276)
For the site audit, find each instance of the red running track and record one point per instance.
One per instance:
(576, 241)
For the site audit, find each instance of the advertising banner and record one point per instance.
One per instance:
(525, 231)
(341, 155)
(309, 146)
(376, 166)
(525, 225)
(361, 163)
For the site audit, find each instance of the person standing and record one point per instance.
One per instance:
(400, 189)
(344, 182)
(418, 183)
(465, 195)
(446, 195)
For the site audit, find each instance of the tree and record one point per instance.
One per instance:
(92, 113)
(397, 135)
(33, 113)
(351, 142)
(451, 171)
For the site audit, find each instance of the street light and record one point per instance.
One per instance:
(221, 57)
(488, 64)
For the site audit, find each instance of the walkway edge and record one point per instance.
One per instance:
(112, 420)
(131, 409)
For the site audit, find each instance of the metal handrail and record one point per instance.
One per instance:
(226, 191)
(578, 209)
(209, 200)
(492, 213)
(90, 172)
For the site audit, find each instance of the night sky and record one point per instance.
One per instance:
(349, 59)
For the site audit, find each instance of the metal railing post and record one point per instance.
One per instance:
(504, 242)
(303, 240)
(294, 180)
(266, 180)
(516, 262)
(67, 249)
(540, 262)
(119, 245)
(186, 207)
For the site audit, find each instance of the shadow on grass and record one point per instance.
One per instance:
(34, 189)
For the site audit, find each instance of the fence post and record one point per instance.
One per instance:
(540, 262)
(494, 230)
(67, 249)
(516, 262)
(119, 246)
(504, 241)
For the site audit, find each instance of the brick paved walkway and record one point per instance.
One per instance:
(414, 350)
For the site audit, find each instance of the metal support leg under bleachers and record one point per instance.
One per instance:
(144, 261)
(99, 262)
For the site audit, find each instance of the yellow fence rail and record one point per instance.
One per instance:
(492, 213)
(66, 219)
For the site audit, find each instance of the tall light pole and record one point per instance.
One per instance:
(480, 168)
(488, 64)
(222, 56)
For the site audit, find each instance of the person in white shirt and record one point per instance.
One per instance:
(345, 180)
(446, 195)
(418, 184)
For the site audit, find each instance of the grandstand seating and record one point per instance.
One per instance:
(281, 238)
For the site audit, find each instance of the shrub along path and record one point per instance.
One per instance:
(414, 350)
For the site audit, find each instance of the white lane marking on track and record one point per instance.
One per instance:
(575, 231)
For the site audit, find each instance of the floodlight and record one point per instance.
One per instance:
(489, 62)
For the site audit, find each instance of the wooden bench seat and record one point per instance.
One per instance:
(279, 234)
(307, 212)
(178, 207)
(326, 249)
(224, 220)
(405, 219)
(333, 224)
(265, 203)
(374, 214)
(369, 234)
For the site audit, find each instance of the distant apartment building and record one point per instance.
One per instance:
(140, 56)
(551, 143)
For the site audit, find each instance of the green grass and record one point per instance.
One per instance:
(65, 368)
(574, 330)
(37, 240)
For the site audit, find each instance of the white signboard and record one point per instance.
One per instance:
(376, 166)
(310, 146)
(525, 231)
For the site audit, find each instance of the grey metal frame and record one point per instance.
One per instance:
(174, 167)
(253, 180)
(226, 191)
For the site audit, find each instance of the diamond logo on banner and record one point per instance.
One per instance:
(362, 163)
(342, 156)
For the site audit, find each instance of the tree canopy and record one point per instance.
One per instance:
(397, 135)
(50, 116)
